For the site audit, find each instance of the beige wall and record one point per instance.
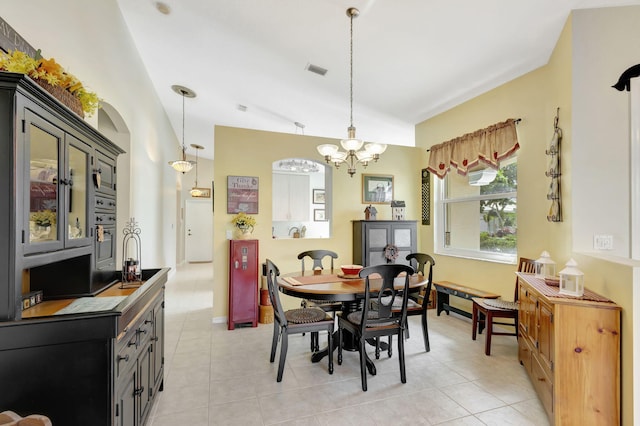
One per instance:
(241, 152)
(534, 97)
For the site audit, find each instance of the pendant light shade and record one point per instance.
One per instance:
(195, 191)
(183, 165)
(353, 146)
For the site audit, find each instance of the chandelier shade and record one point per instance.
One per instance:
(353, 146)
(183, 165)
(195, 191)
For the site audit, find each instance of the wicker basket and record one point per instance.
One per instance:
(63, 96)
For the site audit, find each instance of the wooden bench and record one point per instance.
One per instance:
(447, 288)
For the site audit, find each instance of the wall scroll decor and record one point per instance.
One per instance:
(426, 197)
(555, 210)
(242, 194)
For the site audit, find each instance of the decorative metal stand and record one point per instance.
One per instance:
(554, 172)
(131, 255)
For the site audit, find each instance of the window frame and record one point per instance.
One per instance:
(440, 222)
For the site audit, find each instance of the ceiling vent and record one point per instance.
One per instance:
(316, 69)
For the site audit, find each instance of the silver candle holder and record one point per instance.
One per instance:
(131, 255)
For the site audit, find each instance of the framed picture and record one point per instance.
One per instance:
(318, 196)
(242, 194)
(204, 193)
(377, 189)
(319, 215)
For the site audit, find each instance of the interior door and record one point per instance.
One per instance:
(198, 231)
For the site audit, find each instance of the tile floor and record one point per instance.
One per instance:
(218, 377)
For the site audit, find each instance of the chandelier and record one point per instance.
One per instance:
(195, 191)
(299, 165)
(354, 147)
(183, 165)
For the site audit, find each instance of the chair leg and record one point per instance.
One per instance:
(425, 331)
(284, 345)
(274, 342)
(377, 348)
(403, 372)
(389, 348)
(330, 348)
(489, 326)
(315, 341)
(363, 363)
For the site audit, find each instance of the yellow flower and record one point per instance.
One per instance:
(243, 220)
(51, 72)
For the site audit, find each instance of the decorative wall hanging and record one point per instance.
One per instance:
(426, 197)
(242, 194)
(489, 145)
(553, 172)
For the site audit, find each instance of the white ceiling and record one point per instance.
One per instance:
(412, 60)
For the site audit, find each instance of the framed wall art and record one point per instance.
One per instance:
(377, 189)
(318, 196)
(242, 194)
(319, 215)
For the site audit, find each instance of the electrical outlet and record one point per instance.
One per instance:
(603, 242)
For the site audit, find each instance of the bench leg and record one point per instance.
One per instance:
(474, 321)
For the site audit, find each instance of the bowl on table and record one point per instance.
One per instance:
(351, 269)
(552, 281)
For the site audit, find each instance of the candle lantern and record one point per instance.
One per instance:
(571, 280)
(131, 269)
(545, 266)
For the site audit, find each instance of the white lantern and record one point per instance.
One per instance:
(545, 266)
(571, 280)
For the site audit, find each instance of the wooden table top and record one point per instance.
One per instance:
(330, 285)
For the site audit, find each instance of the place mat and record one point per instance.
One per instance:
(91, 304)
(310, 279)
(349, 276)
(549, 291)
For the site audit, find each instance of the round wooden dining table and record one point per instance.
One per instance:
(332, 286)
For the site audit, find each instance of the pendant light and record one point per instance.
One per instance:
(354, 154)
(183, 165)
(195, 191)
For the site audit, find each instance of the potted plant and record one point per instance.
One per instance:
(43, 220)
(244, 225)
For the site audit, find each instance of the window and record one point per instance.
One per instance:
(476, 215)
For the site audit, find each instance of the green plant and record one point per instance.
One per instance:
(51, 72)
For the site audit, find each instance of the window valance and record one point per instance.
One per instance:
(489, 145)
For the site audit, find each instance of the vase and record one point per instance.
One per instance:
(244, 233)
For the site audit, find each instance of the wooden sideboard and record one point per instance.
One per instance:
(570, 348)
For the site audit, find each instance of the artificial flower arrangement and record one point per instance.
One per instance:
(243, 221)
(43, 218)
(48, 70)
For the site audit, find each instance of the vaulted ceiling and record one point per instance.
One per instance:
(248, 60)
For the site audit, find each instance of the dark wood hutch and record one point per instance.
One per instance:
(78, 365)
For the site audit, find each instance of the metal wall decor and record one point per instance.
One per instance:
(131, 255)
(554, 172)
(426, 197)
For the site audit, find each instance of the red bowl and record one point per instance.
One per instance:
(351, 269)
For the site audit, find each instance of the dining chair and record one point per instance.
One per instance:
(317, 256)
(486, 310)
(370, 323)
(294, 321)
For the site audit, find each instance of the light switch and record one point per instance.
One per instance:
(603, 242)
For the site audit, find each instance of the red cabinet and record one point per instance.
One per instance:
(243, 282)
